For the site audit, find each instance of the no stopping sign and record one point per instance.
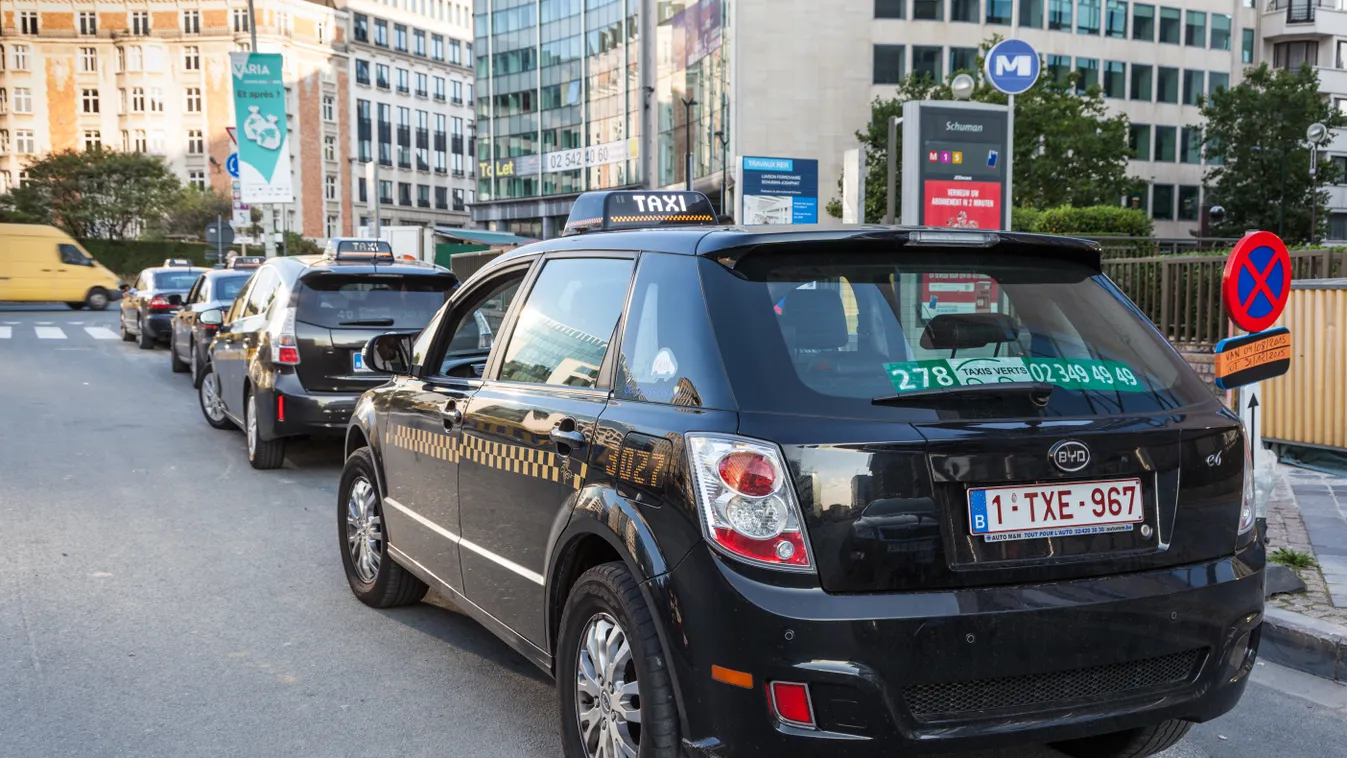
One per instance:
(1257, 281)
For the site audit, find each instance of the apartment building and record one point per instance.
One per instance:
(154, 78)
(734, 77)
(411, 62)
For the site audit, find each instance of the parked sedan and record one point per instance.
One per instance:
(189, 338)
(148, 307)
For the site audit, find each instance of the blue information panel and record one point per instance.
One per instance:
(779, 191)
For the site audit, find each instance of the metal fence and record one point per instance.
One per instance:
(1182, 293)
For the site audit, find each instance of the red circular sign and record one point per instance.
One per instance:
(1257, 281)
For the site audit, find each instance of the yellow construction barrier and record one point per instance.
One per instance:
(1308, 405)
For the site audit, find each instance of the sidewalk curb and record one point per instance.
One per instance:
(1304, 643)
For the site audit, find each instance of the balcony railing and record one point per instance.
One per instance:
(1301, 11)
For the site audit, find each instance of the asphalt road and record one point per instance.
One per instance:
(158, 597)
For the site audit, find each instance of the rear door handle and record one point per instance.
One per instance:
(567, 439)
(452, 415)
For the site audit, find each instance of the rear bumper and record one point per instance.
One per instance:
(312, 413)
(894, 674)
(158, 325)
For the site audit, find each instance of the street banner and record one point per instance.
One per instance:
(263, 136)
(778, 190)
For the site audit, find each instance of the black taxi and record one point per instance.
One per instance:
(785, 491)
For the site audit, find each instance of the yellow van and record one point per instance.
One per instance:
(41, 264)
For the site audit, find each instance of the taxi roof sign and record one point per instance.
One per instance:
(638, 209)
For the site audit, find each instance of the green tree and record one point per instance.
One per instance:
(1068, 149)
(193, 209)
(1255, 133)
(97, 194)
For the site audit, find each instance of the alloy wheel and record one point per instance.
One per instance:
(364, 530)
(210, 394)
(252, 427)
(608, 696)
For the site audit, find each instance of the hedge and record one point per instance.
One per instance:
(127, 259)
(1095, 220)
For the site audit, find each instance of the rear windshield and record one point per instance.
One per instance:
(831, 332)
(366, 300)
(228, 287)
(175, 280)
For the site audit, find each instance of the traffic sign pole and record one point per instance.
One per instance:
(1011, 66)
(1010, 162)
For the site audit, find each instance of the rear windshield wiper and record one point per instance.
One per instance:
(368, 322)
(1039, 392)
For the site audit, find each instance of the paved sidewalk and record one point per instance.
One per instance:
(1287, 528)
(1322, 502)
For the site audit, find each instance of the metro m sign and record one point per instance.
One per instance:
(1012, 66)
(1019, 65)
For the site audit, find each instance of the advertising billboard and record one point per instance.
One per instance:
(263, 136)
(778, 191)
(955, 165)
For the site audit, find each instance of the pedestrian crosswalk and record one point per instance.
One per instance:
(67, 332)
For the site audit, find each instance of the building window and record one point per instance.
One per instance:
(405, 193)
(196, 142)
(418, 43)
(4, 100)
(1218, 80)
(23, 100)
(193, 100)
(156, 100)
(330, 187)
(1167, 85)
(157, 142)
(1190, 145)
(1139, 140)
(361, 71)
(964, 10)
(332, 222)
(458, 200)
(1162, 202)
(439, 88)
(361, 27)
(423, 195)
(381, 79)
(404, 81)
(456, 93)
(1189, 205)
(1195, 31)
(963, 59)
(191, 58)
(191, 22)
(400, 38)
(442, 198)
(1194, 83)
(1059, 15)
(24, 144)
(1169, 25)
(1115, 19)
(4, 144)
(1087, 17)
(926, 62)
(890, 8)
(422, 87)
(385, 191)
(928, 10)
(381, 33)
(140, 23)
(1115, 79)
(88, 23)
(888, 64)
(329, 148)
(89, 101)
(436, 47)
(1293, 55)
(197, 179)
(89, 60)
(20, 57)
(137, 99)
(1246, 46)
(1141, 82)
(93, 141)
(240, 20)
(456, 52)
(1059, 68)
(28, 22)
(1166, 144)
(1087, 70)
(1220, 31)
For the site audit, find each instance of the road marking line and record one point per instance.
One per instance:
(76, 323)
(100, 332)
(43, 323)
(50, 333)
(5, 332)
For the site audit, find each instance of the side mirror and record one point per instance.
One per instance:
(388, 354)
(212, 317)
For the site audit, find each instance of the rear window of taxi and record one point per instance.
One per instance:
(830, 332)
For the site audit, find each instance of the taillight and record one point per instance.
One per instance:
(285, 348)
(790, 703)
(1247, 510)
(158, 303)
(748, 506)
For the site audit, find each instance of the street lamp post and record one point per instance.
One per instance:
(688, 105)
(724, 141)
(1315, 134)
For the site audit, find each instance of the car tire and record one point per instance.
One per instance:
(75, 306)
(97, 299)
(174, 362)
(144, 340)
(606, 599)
(262, 454)
(126, 335)
(211, 400)
(1129, 743)
(194, 365)
(362, 536)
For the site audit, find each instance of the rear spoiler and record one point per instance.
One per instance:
(428, 272)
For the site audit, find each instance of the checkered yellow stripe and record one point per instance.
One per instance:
(663, 217)
(516, 459)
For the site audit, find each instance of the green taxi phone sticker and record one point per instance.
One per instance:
(1068, 373)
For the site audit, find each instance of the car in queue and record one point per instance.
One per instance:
(866, 491)
(189, 338)
(149, 304)
(286, 360)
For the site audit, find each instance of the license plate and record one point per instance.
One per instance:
(358, 363)
(1034, 511)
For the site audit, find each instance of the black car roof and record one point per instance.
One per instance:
(730, 242)
(296, 265)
